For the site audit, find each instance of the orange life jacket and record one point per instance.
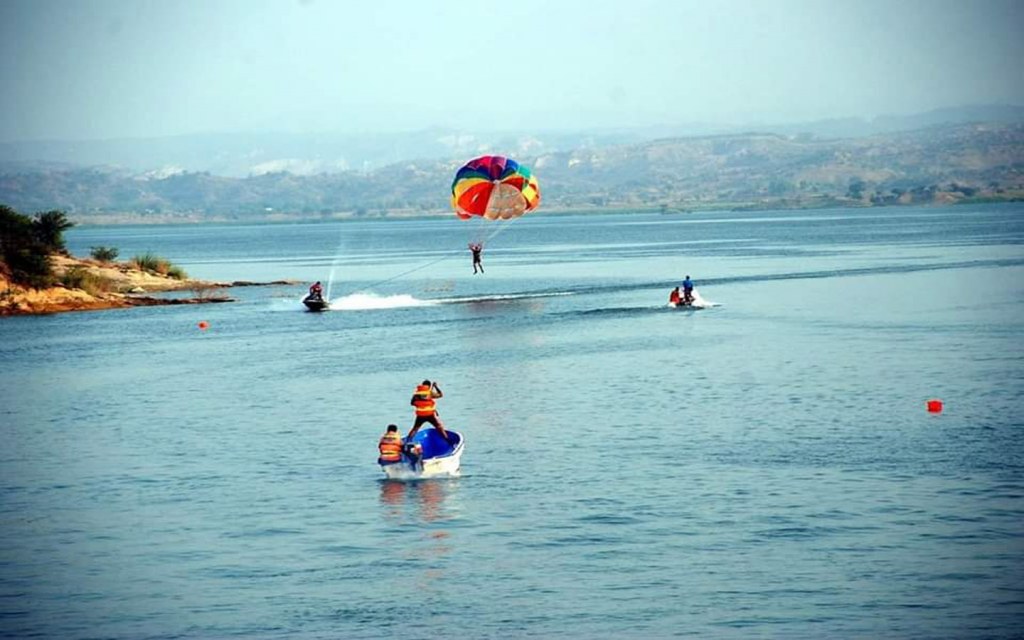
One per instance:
(423, 401)
(673, 297)
(390, 447)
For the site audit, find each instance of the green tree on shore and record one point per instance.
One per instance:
(26, 244)
(49, 228)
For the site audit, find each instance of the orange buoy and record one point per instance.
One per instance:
(204, 325)
(935, 406)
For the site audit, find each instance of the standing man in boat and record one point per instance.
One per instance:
(426, 409)
(687, 291)
(390, 446)
(477, 249)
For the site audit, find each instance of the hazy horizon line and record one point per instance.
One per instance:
(610, 129)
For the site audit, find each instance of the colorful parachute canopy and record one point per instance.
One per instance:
(494, 187)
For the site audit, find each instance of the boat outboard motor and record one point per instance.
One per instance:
(414, 452)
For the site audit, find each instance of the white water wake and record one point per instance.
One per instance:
(365, 301)
(700, 302)
(503, 297)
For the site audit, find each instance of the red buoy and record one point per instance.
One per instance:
(935, 406)
(204, 325)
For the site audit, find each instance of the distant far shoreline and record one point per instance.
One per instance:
(938, 165)
(824, 203)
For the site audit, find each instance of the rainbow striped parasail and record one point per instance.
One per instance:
(495, 188)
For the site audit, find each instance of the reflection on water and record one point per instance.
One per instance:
(423, 501)
(426, 503)
(392, 497)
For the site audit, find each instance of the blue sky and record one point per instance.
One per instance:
(94, 69)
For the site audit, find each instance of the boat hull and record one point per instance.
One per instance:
(439, 460)
(315, 305)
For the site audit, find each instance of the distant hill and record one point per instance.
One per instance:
(863, 127)
(762, 169)
(946, 163)
(243, 155)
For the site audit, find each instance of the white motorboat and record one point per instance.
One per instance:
(439, 458)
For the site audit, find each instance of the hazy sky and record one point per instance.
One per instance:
(82, 69)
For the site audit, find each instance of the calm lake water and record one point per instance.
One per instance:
(763, 468)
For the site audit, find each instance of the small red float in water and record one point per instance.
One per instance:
(204, 325)
(935, 406)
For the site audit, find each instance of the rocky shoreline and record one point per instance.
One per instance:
(111, 285)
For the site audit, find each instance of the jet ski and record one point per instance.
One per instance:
(693, 304)
(315, 303)
(428, 455)
(684, 305)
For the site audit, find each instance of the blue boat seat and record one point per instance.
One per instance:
(434, 445)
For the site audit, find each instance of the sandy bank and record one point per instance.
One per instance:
(105, 286)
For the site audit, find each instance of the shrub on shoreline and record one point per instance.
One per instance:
(155, 264)
(145, 261)
(103, 254)
(78, 277)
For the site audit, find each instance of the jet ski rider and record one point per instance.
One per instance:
(316, 291)
(687, 291)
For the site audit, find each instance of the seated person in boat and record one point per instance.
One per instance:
(426, 409)
(390, 446)
(673, 298)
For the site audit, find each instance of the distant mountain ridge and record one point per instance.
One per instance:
(938, 164)
(243, 155)
(862, 127)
